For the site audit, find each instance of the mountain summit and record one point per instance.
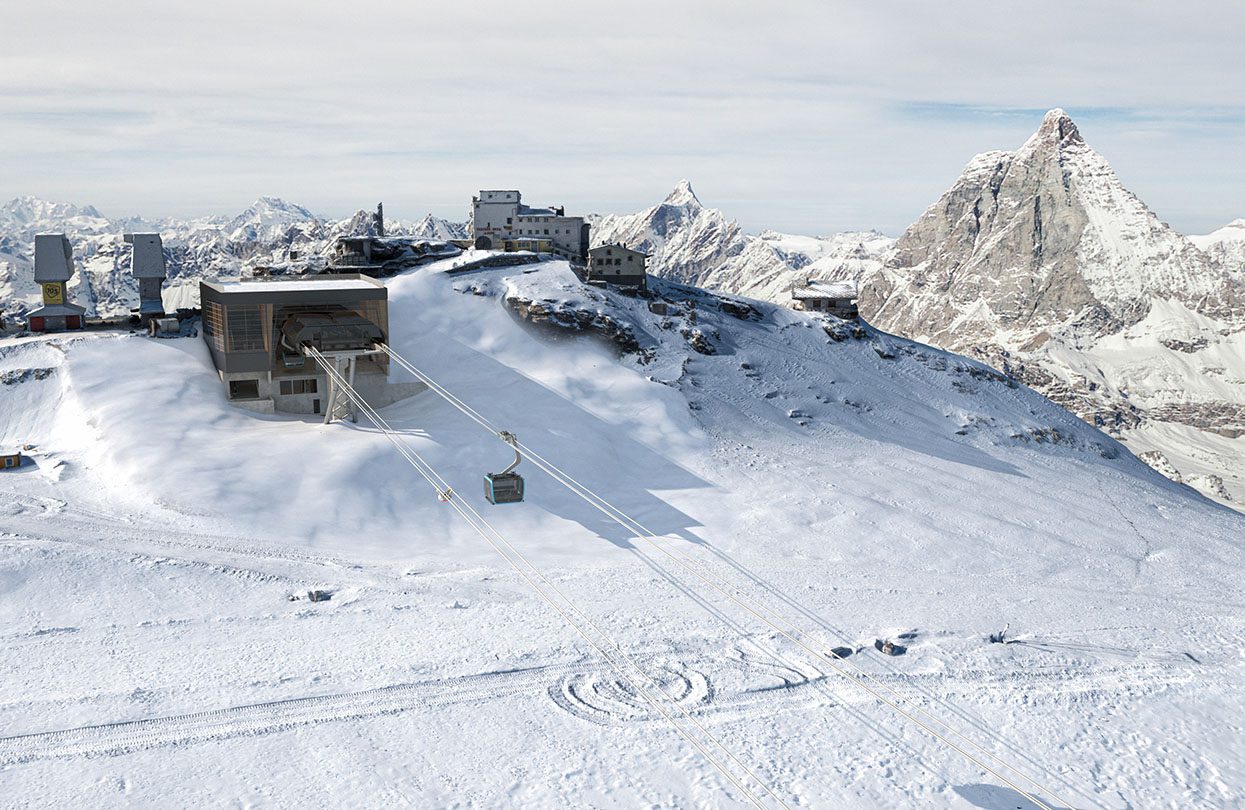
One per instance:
(1044, 240)
(1042, 263)
(683, 196)
(1059, 126)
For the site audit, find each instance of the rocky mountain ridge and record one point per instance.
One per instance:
(700, 246)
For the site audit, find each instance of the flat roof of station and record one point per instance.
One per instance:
(320, 288)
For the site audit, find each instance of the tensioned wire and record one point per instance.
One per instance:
(502, 546)
(620, 517)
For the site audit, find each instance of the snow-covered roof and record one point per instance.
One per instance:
(824, 289)
(618, 246)
(56, 310)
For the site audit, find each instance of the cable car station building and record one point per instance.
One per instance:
(258, 331)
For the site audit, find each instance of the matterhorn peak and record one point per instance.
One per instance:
(1058, 126)
(683, 195)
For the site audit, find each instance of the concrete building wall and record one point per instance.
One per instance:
(615, 264)
(493, 214)
(53, 257)
(568, 234)
(841, 307)
(308, 394)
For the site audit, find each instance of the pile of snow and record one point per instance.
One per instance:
(158, 553)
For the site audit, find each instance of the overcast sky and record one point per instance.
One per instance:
(809, 117)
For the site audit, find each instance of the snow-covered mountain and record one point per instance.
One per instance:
(696, 245)
(158, 550)
(1041, 263)
(267, 233)
(1225, 246)
(269, 219)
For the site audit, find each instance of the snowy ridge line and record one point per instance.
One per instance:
(754, 609)
(501, 545)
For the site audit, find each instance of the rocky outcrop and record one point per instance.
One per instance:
(558, 318)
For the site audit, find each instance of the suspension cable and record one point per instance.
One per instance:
(766, 616)
(532, 574)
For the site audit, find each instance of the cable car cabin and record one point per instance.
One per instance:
(506, 487)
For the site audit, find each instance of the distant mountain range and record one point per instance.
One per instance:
(211, 247)
(1037, 261)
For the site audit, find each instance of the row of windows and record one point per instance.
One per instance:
(597, 261)
(289, 387)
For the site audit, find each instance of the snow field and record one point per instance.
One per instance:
(150, 557)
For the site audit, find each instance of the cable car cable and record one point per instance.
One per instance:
(477, 522)
(759, 612)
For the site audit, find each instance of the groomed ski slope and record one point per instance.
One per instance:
(864, 489)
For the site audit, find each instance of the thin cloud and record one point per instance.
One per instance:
(808, 116)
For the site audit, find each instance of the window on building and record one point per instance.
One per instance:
(243, 328)
(214, 324)
(244, 389)
(296, 387)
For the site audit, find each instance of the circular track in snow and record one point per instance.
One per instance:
(606, 698)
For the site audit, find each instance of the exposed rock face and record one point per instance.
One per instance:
(559, 316)
(1225, 246)
(1041, 263)
(1045, 236)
